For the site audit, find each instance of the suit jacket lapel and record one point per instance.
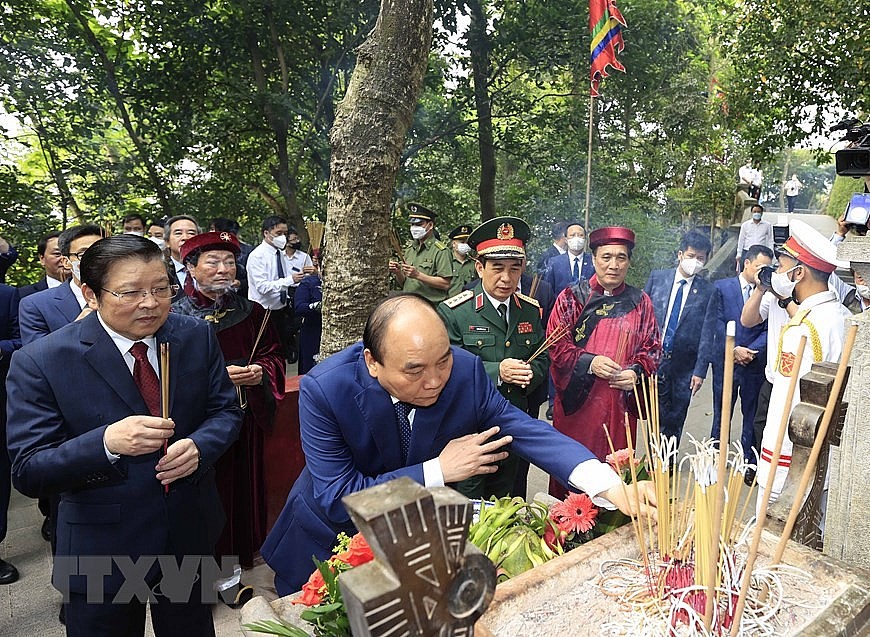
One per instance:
(107, 361)
(68, 304)
(166, 334)
(378, 415)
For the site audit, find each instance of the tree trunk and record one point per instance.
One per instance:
(478, 45)
(367, 141)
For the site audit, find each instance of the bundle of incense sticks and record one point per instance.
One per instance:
(240, 391)
(536, 281)
(315, 231)
(164, 393)
(622, 345)
(397, 246)
(554, 336)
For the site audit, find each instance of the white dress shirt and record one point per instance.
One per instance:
(264, 284)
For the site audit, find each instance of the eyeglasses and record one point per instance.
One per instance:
(77, 255)
(137, 296)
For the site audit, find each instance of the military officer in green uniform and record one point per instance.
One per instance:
(463, 263)
(501, 326)
(426, 269)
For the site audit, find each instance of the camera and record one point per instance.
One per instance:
(853, 161)
(765, 275)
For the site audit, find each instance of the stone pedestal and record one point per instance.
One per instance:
(848, 517)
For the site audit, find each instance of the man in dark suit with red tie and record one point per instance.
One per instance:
(750, 348)
(686, 309)
(85, 421)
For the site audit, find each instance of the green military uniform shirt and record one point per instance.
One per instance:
(432, 258)
(463, 272)
(475, 325)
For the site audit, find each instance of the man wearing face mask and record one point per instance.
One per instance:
(156, 233)
(463, 264)
(753, 231)
(567, 269)
(44, 312)
(806, 262)
(686, 308)
(134, 224)
(858, 300)
(426, 269)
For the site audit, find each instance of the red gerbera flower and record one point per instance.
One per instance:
(358, 551)
(312, 590)
(575, 514)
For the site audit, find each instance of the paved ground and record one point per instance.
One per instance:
(30, 606)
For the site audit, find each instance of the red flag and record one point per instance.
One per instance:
(605, 26)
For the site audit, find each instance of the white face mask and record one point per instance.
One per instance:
(75, 267)
(418, 232)
(691, 266)
(576, 244)
(463, 248)
(782, 285)
(138, 233)
(863, 291)
(160, 242)
(280, 241)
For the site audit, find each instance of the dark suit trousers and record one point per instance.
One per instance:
(192, 619)
(747, 383)
(761, 409)
(674, 394)
(5, 473)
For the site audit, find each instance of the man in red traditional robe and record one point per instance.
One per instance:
(612, 341)
(255, 364)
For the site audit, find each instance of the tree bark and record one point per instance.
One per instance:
(367, 141)
(478, 45)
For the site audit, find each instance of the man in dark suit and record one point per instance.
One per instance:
(131, 482)
(404, 402)
(10, 341)
(51, 259)
(44, 312)
(559, 245)
(566, 269)
(686, 311)
(750, 348)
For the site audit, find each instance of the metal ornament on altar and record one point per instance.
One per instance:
(426, 579)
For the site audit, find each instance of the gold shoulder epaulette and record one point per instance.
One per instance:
(798, 318)
(460, 298)
(440, 245)
(529, 299)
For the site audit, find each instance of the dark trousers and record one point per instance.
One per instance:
(791, 202)
(674, 394)
(5, 476)
(747, 383)
(761, 409)
(191, 619)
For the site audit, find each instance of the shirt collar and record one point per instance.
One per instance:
(495, 302)
(122, 342)
(817, 299)
(595, 285)
(744, 282)
(52, 282)
(178, 265)
(77, 292)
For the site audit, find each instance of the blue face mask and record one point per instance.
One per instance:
(756, 216)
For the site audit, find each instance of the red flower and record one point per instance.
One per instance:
(313, 590)
(576, 514)
(358, 551)
(619, 460)
(552, 539)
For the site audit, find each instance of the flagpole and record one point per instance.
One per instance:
(589, 161)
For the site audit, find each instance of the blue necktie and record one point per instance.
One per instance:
(402, 411)
(673, 318)
(576, 270)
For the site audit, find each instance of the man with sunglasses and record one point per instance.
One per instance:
(134, 486)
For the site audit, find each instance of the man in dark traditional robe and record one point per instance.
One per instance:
(612, 341)
(255, 364)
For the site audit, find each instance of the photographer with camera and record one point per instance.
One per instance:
(800, 288)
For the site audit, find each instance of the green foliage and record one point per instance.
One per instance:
(271, 627)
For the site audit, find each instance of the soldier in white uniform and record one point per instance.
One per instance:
(806, 260)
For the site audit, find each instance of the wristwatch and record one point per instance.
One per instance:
(783, 303)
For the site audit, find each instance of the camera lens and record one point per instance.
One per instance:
(765, 273)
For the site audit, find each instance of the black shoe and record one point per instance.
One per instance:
(549, 413)
(8, 573)
(749, 477)
(46, 529)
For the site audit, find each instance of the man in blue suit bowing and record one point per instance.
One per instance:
(685, 306)
(750, 350)
(85, 421)
(404, 402)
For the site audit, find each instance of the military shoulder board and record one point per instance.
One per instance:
(460, 298)
(440, 244)
(529, 299)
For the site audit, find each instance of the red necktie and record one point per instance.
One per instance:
(146, 378)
